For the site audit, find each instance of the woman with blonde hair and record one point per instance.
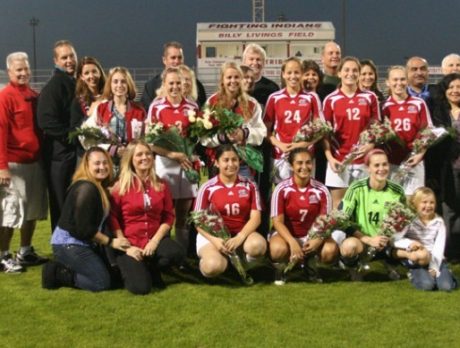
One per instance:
(142, 211)
(171, 109)
(230, 95)
(80, 227)
(189, 87)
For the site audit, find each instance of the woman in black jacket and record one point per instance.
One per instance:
(443, 161)
(78, 231)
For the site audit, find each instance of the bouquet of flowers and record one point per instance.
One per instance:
(213, 223)
(376, 133)
(172, 140)
(398, 217)
(212, 121)
(323, 227)
(426, 138)
(313, 131)
(91, 134)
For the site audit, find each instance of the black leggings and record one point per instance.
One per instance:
(138, 276)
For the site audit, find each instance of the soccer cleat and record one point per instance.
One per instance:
(392, 272)
(280, 277)
(30, 258)
(310, 269)
(10, 265)
(355, 275)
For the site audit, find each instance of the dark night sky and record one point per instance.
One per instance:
(131, 33)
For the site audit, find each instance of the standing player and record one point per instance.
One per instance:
(296, 202)
(408, 115)
(237, 199)
(286, 111)
(350, 111)
(171, 108)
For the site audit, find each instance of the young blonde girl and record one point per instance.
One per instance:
(426, 233)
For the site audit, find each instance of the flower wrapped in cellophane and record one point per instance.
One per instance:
(212, 222)
(92, 134)
(171, 139)
(313, 131)
(323, 226)
(376, 133)
(220, 121)
(212, 121)
(398, 217)
(426, 138)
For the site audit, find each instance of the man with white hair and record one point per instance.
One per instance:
(22, 180)
(450, 64)
(254, 56)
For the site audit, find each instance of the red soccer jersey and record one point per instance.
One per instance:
(407, 118)
(234, 203)
(349, 116)
(286, 114)
(300, 206)
(161, 110)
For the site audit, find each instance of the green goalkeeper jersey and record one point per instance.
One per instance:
(367, 206)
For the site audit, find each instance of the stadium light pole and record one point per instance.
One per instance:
(34, 22)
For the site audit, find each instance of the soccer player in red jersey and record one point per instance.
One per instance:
(408, 115)
(231, 96)
(237, 199)
(296, 202)
(171, 109)
(350, 111)
(286, 111)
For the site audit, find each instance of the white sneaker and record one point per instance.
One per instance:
(280, 277)
(10, 265)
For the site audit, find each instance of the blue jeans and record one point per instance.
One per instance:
(90, 271)
(422, 279)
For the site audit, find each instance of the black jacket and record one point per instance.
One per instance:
(53, 113)
(82, 212)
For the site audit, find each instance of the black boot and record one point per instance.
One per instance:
(56, 275)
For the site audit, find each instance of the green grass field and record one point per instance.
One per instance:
(192, 312)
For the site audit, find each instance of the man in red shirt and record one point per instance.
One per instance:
(21, 173)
